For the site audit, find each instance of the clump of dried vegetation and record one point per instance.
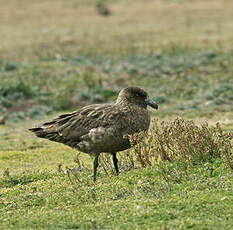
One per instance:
(178, 140)
(181, 140)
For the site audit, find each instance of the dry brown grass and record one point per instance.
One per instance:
(32, 29)
(181, 140)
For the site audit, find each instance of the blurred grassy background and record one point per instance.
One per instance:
(59, 55)
(38, 29)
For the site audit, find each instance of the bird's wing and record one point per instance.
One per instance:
(71, 127)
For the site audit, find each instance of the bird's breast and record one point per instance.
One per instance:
(137, 120)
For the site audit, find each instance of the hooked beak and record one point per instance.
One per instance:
(151, 103)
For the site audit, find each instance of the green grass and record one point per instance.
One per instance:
(180, 81)
(57, 56)
(36, 194)
(140, 198)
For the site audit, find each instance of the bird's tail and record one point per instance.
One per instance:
(50, 129)
(47, 133)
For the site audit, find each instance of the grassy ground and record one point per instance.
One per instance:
(36, 194)
(59, 55)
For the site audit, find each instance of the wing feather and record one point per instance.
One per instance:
(71, 127)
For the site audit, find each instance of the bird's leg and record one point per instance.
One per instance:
(115, 162)
(95, 166)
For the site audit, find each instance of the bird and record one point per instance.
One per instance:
(102, 9)
(101, 128)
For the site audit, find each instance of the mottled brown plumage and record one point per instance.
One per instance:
(101, 127)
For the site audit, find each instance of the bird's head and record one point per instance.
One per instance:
(136, 95)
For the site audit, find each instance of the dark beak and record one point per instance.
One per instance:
(151, 103)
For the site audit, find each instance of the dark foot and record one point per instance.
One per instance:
(115, 162)
(95, 166)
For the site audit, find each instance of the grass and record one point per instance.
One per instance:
(137, 200)
(60, 28)
(56, 56)
(179, 82)
(41, 188)
(185, 66)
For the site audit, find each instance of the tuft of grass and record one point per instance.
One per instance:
(181, 140)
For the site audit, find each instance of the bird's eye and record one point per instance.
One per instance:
(137, 94)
